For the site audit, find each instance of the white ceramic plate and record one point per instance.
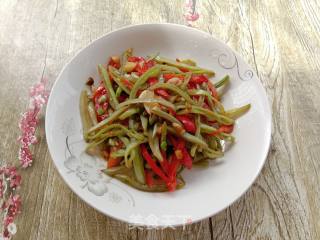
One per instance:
(207, 191)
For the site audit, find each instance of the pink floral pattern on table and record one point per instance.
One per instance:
(28, 123)
(10, 179)
(190, 13)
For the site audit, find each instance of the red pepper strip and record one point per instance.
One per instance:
(198, 79)
(113, 162)
(213, 91)
(172, 112)
(122, 98)
(152, 80)
(192, 85)
(141, 67)
(150, 63)
(164, 163)
(173, 140)
(168, 76)
(187, 122)
(149, 178)
(113, 64)
(127, 83)
(139, 92)
(99, 92)
(180, 144)
(186, 160)
(135, 59)
(152, 163)
(175, 163)
(224, 129)
(162, 93)
(184, 70)
(205, 105)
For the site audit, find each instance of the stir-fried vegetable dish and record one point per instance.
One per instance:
(150, 118)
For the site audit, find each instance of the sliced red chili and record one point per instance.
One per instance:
(114, 64)
(152, 80)
(100, 107)
(113, 162)
(135, 59)
(224, 129)
(168, 76)
(162, 93)
(198, 79)
(122, 98)
(187, 122)
(127, 83)
(152, 163)
(149, 178)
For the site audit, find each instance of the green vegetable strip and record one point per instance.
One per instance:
(129, 113)
(197, 92)
(85, 116)
(138, 165)
(124, 58)
(212, 154)
(91, 110)
(116, 170)
(105, 137)
(118, 92)
(194, 147)
(114, 116)
(92, 113)
(152, 119)
(147, 100)
(114, 101)
(152, 72)
(210, 114)
(144, 123)
(154, 145)
(186, 80)
(228, 137)
(117, 79)
(237, 112)
(182, 65)
(165, 115)
(169, 68)
(164, 136)
(119, 153)
(143, 187)
(130, 133)
(206, 128)
(128, 151)
(124, 140)
(107, 128)
(149, 58)
(173, 88)
(222, 82)
(189, 137)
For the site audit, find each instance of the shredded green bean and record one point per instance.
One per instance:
(154, 145)
(147, 100)
(114, 101)
(165, 115)
(129, 113)
(173, 88)
(183, 66)
(222, 82)
(152, 72)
